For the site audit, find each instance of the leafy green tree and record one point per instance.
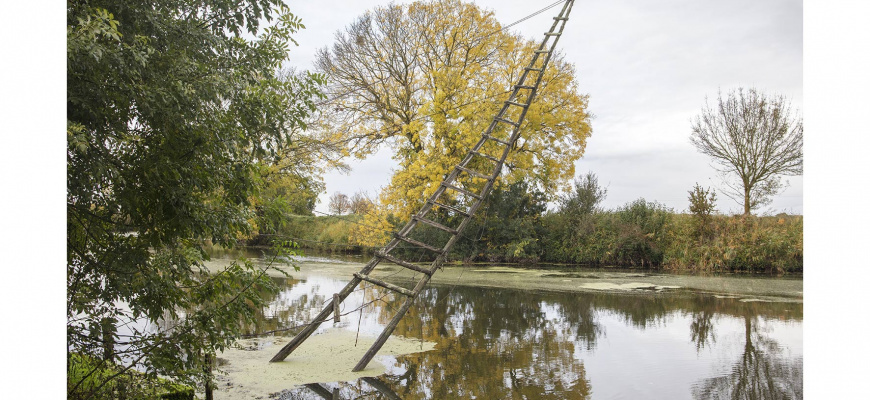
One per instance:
(586, 196)
(509, 228)
(173, 109)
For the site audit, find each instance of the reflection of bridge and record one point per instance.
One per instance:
(460, 182)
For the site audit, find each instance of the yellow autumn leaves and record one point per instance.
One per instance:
(426, 79)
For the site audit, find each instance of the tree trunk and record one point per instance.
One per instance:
(209, 389)
(746, 203)
(108, 328)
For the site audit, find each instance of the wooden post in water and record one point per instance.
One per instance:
(336, 310)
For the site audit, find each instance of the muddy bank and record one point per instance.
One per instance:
(749, 287)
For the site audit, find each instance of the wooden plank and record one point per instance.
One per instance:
(451, 208)
(473, 172)
(507, 121)
(495, 139)
(418, 244)
(435, 224)
(460, 190)
(486, 156)
(403, 263)
(385, 285)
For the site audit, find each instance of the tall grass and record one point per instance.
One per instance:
(738, 243)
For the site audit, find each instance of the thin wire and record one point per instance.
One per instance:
(527, 17)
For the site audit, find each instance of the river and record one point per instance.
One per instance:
(496, 332)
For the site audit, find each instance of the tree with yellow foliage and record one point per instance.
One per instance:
(426, 79)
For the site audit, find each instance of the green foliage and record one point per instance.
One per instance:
(640, 234)
(171, 117)
(320, 233)
(282, 195)
(632, 235)
(509, 227)
(128, 384)
(585, 197)
(702, 203)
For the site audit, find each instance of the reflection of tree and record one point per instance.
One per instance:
(702, 324)
(761, 373)
(495, 344)
(501, 343)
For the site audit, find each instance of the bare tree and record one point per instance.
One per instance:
(339, 203)
(360, 203)
(754, 139)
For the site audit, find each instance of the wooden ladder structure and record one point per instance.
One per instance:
(514, 107)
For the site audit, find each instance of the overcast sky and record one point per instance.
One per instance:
(647, 68)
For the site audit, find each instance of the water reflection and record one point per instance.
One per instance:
(762, 372)
(511, 344)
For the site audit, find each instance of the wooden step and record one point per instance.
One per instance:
(507, 121)
(435, 224)
(385, 285)
(524, 87)
(534, 69)
(541, 51)
(460, 190)
(560, 18)
(513, 103)
(451, 208)
(473, 173)
(552, 34)
(493, 138)
(418, 244)
(403, 263)
(486, 156)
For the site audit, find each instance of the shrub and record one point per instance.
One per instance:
(86, 374)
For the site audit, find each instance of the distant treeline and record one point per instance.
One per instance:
(514, 226)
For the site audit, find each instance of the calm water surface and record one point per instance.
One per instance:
(514, 344)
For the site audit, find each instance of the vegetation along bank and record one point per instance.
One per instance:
(515, 226)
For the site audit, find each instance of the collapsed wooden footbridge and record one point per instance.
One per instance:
(508, 119)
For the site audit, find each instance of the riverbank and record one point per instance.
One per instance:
(639, 235)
